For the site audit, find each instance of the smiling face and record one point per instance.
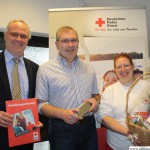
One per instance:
(16, 38)
(124, 69)
(110, 78)
(67, 44)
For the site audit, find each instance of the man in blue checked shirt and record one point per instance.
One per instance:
(62, 85)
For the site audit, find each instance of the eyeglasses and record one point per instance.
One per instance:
(127, 66)
(66, 41)
(16, 35)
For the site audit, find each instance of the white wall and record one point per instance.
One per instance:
(35, 12)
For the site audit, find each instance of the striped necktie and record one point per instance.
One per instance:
(16, 88)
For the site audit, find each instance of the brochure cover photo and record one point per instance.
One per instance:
(25, 117)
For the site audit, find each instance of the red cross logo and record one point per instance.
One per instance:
(35, 134)
(100, 22)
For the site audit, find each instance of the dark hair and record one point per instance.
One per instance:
(137, 71)
(121, 56)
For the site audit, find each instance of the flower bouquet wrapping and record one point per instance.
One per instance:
(138, 109)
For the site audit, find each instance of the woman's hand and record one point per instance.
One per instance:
(134, 139)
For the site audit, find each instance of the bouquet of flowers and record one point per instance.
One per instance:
(138, 109)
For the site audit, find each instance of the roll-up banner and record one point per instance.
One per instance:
(103, 33)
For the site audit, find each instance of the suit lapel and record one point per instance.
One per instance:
(4, 76)
(29, 73)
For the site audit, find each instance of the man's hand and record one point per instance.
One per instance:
(39, 125)
(5, 119)
(94, 104)
(70, 116)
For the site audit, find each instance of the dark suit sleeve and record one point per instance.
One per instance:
(32, 71)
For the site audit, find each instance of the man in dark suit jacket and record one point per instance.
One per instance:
(16, 37)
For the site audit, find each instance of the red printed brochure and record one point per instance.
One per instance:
(25, 117)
